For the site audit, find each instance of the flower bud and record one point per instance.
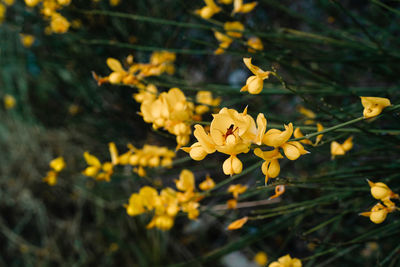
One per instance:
(254, 85)
(378, 216)
(232, 165)
(380, 191)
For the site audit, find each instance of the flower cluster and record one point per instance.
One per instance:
(382, 192)
(211, 8)
(167, 203)
(170, 111)
(286, 261)
(232, 133)
(341, 149)
(50, 10)
(56, 165)
(148, 156)
(160, 62)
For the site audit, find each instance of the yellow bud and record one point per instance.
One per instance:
(206, 12)
(232, 165)
(91, 171)
(197, 153)
(134, 160)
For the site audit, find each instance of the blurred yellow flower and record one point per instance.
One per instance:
(261, 258)
(238, 223)
(237, 189)
(255, 83)
(373, 106)
(255, 44)
(286, 261)
(59, 24)
(206, 100)
(115, 2)
(27, 40)
(207, 184)
(57, 164)
(209, 10)
(234, 29)
(239, 7)
(224, 42)
(32, 3)
(51, 178)
(341, 149)
(186, 181)
(9, 101)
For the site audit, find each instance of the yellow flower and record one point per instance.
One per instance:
(191, 208)
(205, 98)
(270, 167)
(207, 184)
(286, 261)
(32, 3)
(57, 164)
(59, 24)
(373, 106)
(148, 94)
(237, 189)
(209, 10)
(135, 206)
(51, 178)
(293, 150)
(224, 42)
(27, 40)
(3, 11)
(255, 83)
(148, 197)
(381, 191)
(238, 223)
(234, 29)
(186, 181)
(196, 151)
(162, 222)
(261, 258)
(341, 149)
(115, 2)
(377, 214)
(255, 44)
(9, 101)
(239, 7)
(9, 2)
(277, 138)
(279, 190)
(231, 204)
(307, 112)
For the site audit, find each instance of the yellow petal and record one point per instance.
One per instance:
(115, 65)
(261, 127)
(336, 149)
(91, 160)
(279, 190)
(204, 139)
(238, 223)
(113, 152)
(348, 144)
(57, 164)
(276, 138)
(256, 70)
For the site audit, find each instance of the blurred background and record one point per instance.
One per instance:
(328, 52)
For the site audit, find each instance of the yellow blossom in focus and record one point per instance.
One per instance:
(237, 189)
(238, 223)
(341, 149)
(9, 101)
(255, 44)
(377, 214)
(270, 168)
(255, 83)
(27, 40)
(234, 29)
(261, 258)
(381, 191)
(286, 261)
(209, 10)
(373, 106)
(207, 184)
(230, 133)
(239, 7)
